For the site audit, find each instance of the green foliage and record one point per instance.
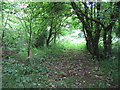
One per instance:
(38, 52)
(56, 49)
(53, 50)
(110, 67)
(71, 79)
(26, 24)
(62, 73)
(18, 75)
(66, 44)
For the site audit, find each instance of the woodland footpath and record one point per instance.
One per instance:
(60, 44)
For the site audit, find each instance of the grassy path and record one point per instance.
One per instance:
(71, 69)
(74, 70)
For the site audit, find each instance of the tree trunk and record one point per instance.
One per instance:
(97, 34)
(107, 37)
(110, 42)
(55, 38)
(96, 47)
(29, 40)
(107, 41)
(50, 34)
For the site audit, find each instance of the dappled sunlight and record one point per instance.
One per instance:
(59, 45)
(79, 40)
(76, 37)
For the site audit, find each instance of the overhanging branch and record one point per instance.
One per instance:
(81, 14)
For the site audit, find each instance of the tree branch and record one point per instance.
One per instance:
(81, 14)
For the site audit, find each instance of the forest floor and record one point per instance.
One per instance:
(75, 69)
(70, 69)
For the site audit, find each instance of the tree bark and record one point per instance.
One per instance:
(29, 40)
(50, 34)
(91, 41)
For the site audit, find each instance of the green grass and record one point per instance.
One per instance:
(22, 74)
(55, 49)
(19, 75)
(67, 45)
(111, 67)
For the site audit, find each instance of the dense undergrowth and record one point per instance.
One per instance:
(19, 73)
(111, 66)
